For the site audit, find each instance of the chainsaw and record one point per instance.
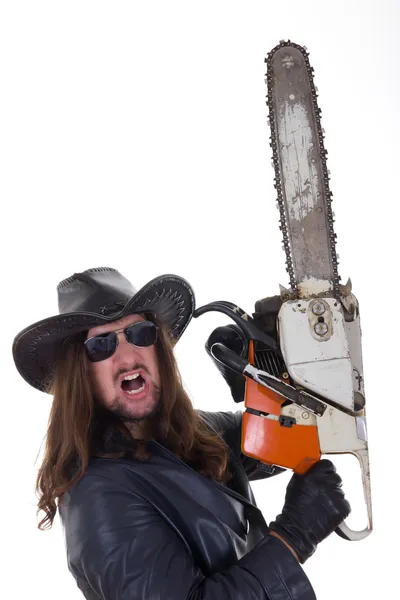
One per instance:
(302, 370)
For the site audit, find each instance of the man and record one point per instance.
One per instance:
(154, 496)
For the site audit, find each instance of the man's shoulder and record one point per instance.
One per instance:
(226, 423)
(224, 420)
(100, 475)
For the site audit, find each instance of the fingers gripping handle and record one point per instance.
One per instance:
(343, 530)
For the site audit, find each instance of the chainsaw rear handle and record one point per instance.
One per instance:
(242, 320)
(240, 365)
(228, 358)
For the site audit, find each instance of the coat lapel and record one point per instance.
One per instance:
(251, 511)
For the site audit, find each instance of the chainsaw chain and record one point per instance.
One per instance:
(278, 183)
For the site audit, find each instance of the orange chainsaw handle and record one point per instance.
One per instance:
(267, 439)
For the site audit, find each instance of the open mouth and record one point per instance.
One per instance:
(133, 384)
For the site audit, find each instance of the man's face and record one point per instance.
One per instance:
(133, 399)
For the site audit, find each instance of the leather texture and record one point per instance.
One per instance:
(233, 338)
(160, 531)
(314, 507)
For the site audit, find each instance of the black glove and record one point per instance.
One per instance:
(314, 507)
(233, 338)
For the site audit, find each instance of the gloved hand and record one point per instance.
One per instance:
(314, 506)
(233, 338)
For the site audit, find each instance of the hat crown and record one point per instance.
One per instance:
(100, 290)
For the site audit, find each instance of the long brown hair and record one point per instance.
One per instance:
(79, 428)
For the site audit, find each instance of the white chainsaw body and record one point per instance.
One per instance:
(322, 351)
(320, 340)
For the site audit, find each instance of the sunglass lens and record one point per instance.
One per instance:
(101, 347)
(142, 334)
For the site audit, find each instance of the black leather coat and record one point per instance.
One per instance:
(160, 531)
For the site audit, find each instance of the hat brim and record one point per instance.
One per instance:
(36, 347)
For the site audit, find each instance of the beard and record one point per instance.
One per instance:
(131, 414)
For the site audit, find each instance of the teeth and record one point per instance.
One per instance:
(130, 377)
(133, 392)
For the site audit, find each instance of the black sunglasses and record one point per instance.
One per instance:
(141, 334)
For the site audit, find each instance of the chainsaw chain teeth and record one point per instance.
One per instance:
(277, 179)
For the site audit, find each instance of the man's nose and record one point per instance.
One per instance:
(124, 347)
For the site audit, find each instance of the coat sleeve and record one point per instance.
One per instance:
(120, 548)
(230, 423)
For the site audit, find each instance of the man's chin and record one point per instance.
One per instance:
(144, 410)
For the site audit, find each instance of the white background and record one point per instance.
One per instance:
(134, 135)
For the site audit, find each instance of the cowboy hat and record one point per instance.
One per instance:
(95, 297)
